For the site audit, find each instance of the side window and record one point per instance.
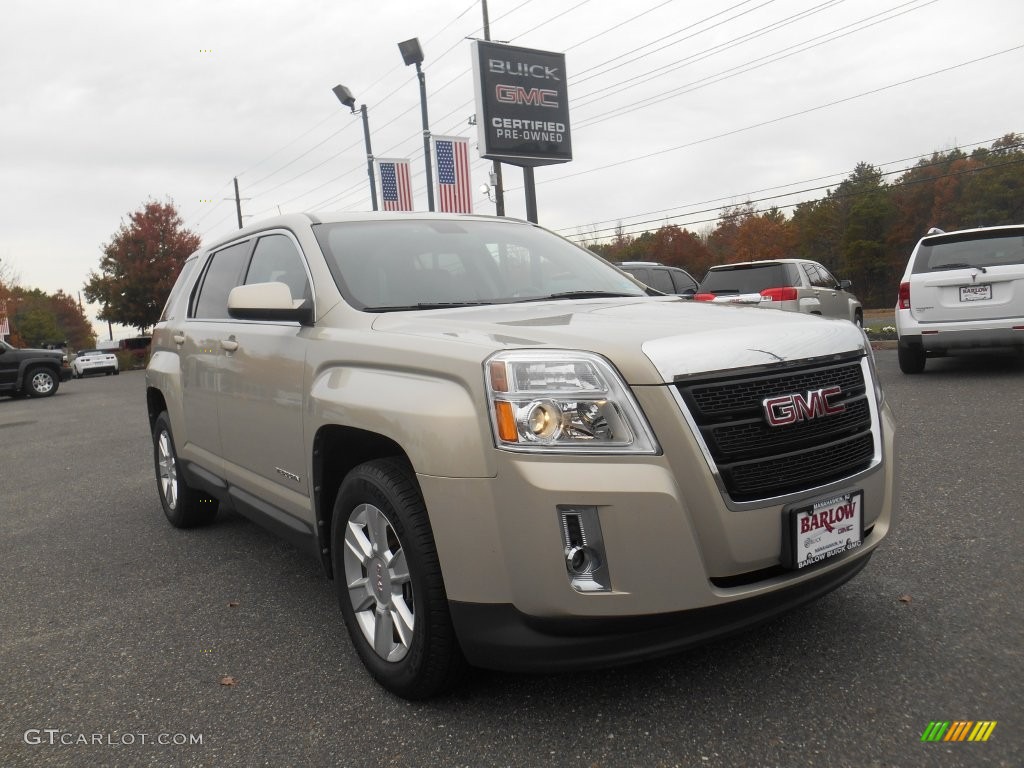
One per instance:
(826, 277)
(682, 281)
(276, 260)
(641, 273)
(222, 274)
(661, 281)
(812, 273)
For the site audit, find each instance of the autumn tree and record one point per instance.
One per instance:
(140, 264)
(39, 319)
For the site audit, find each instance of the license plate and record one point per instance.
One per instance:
(975, 292)
(824, 529)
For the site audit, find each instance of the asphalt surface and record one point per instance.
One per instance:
(117, 628)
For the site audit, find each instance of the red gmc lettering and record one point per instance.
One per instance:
(789, 409)
(516, 94)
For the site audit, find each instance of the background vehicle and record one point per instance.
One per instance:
(661, 277)
(33, 372)
(961, 290)
(94, 361)
(796, 285)
(504, 451)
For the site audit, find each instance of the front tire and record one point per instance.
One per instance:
(911, 357)
(184, 506)
(858, 319)
(41, 382)
(389, 583)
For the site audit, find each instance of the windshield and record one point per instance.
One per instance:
(748, 278)
(970, 250)
(434, 263)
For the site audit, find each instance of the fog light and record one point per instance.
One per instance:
(583, 545)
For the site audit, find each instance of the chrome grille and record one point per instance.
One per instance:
(756, 460)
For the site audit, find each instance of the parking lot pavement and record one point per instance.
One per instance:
(121, 632)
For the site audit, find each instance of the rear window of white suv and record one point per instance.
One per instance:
(973, 249)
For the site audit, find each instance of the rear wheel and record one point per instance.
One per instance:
(911, 357)
(41, 382)
(389, 583)
(184, 506)
(858, 319)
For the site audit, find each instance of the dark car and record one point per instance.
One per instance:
(661, 277)
(33, 372)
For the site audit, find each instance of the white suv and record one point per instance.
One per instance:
(961, 290)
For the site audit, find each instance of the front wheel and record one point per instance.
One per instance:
(389, 584)
(858, 319)
(184, 506)
(911, 357)
(41, 382)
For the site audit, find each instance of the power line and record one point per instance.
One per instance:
(747, 195)
(781, 118)
(843, 196)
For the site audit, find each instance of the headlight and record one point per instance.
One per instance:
(563, 402)
(879, 394)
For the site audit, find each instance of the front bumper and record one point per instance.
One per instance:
(501, 637)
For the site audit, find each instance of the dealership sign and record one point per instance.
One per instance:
(522, 104)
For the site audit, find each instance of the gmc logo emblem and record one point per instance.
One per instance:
(789, 409)
(516, 94)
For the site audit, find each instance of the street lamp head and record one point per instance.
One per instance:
(345, 96)
(411, 51)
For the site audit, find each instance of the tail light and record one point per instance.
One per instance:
(779, 294)
(703, 297)
(904, 298)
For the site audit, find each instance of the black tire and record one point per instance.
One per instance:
(396, 577)
(911, 357)
(858, 319)
(117, 371)
(41, 382)
(184, 506)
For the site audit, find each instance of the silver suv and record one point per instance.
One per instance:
(961, 290)
(797, 285)
(503, 450)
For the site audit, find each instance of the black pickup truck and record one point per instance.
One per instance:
(33, 372)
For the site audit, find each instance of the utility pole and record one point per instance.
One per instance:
(238, 204)
(499, 192)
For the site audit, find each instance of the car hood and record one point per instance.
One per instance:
(650, 340)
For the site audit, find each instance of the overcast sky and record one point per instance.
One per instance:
(677, 108)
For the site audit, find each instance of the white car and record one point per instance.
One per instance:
(961, 290)
(796, 285)
(94, 361)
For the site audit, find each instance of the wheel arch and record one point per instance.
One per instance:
(337, 450)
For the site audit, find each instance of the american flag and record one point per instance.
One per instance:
(455, 191)
(395, 185)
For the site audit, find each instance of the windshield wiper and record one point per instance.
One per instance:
(960, 266)
(584, 295)
(428, 305)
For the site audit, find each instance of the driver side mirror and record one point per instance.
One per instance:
(268, 301)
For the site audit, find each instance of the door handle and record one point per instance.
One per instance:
(228, 345)
(179, 338)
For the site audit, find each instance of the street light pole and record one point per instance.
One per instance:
(346, 98)
(412, 53)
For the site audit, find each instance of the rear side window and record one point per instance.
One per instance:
(223, 273)
(749, 278)
(179, 286)
(975, 249)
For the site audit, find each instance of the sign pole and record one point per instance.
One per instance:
(531, 193)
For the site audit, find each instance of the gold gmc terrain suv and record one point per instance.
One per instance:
(508, 453)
